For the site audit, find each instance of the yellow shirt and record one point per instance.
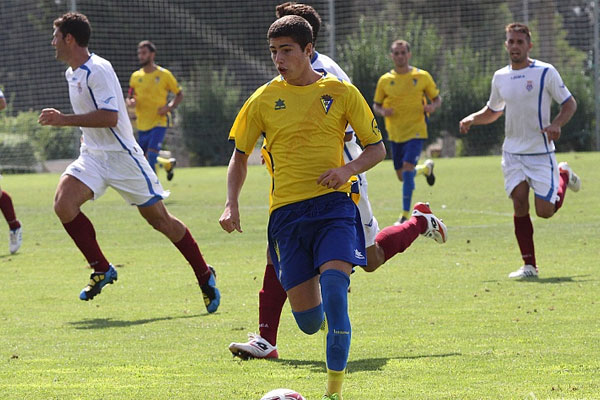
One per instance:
(304, 128)
(405, 94)
(151, 91)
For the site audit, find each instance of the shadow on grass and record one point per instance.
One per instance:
(102, 323)
(553, 279)
(367, 364)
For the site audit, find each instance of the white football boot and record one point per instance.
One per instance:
(574, 181)
(526, 271)
(436, 229)
(15, 238)
(255, 347)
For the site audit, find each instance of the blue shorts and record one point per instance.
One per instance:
(408, 151)
(152, 139)
(305, 235)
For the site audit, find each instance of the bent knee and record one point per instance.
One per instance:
(544, 213)
(310, 321)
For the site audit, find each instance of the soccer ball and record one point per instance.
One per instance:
(282, 394)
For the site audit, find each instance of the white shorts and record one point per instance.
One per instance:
(127, 172)
(370, 224)
(539, 171)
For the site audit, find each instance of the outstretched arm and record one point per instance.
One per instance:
(94, 119)
(236, 175)
(482, 117)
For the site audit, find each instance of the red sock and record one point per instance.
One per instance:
(271, 299)
(8, 210)
(396, 239)
(524, 234)
(83, 234)
(562, 189)
(189, 248)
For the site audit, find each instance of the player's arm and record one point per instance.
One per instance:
(2, 103)
(567, 109)
(436, 102)
(336, 177)
(482, 117)
(130, 99)
(236, 175)
(172, 104)
(379, 109)
(94, 119)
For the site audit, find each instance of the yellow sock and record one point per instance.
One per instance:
(164, 162)
(421, 170)
(406, 214)
(335, 379)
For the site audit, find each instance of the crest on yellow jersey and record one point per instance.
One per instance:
(326, 101)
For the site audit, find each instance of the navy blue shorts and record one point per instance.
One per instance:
(152, 138)
(408, 151)
(305, 235)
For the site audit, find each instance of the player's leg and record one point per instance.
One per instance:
(71, 193)
(156, 136)
(15, 232)
(550, 182)
(516, 186)
(271, 299)
(397, 238)
(157, 215)
(144, 140)
(334, 280)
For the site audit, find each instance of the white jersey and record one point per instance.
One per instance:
(1, 94)
(526, 96)
(322, 63)
(95, 86)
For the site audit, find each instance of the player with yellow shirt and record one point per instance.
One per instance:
(401, 97)
(315, 232)
(149, 88)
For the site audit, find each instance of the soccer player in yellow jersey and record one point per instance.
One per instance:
(315, 233)
(401, 97)
(149, 88)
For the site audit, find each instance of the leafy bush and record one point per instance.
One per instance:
(206, 115)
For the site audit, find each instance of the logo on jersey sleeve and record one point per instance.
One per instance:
(326, 102)
(374, 127)
(529, 86)
(279, 104)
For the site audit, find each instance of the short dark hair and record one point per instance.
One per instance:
(75, 24)
(147, 44)
(302, 10)
(293, 26)
(519, 27)
(400, 42)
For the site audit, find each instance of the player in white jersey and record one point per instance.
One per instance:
(524, 91)
(110, 157)
(15, 231)
(380, 246)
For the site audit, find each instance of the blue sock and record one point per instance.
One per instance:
(408, 179)
(334, 290)
(152, 156)
(309, 321)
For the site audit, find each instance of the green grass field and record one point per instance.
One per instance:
(437, 322)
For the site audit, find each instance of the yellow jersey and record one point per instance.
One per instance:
(150, 92)
(406, 94)
(304, 129)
